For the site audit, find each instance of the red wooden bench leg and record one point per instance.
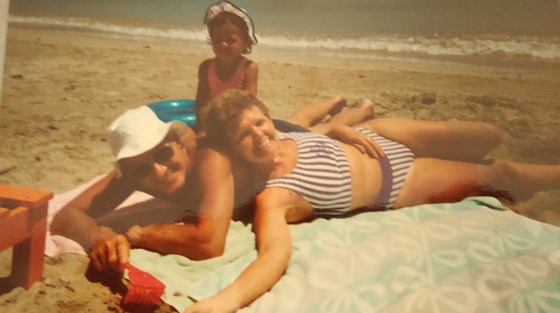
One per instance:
(28, 256)
(23, 221)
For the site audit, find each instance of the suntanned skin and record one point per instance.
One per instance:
(200, 237)
(227, 43)
(254, 139)
(212, 189)
(203, 91)
(199, 179)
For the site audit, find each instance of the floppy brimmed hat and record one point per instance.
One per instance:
(226, 6)
(138, 131)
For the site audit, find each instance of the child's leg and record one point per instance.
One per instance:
(437, 181)
(451, 140)
(312, 114)
(348, 117)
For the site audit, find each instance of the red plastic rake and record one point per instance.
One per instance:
(144, 287)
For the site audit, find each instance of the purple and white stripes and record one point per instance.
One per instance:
(321, 175)
(394, 168)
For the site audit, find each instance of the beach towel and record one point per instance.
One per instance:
(470, 256)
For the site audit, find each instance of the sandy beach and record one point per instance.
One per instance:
(62, 89)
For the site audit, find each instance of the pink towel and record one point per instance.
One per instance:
(140, 209)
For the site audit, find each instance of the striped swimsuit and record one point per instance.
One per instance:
(322, 173)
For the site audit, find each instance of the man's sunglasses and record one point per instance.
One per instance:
(160, 156)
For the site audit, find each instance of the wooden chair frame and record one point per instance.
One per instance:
(23, 225)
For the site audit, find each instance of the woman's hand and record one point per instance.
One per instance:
(210, 305)
(274, 246)
(356, 139)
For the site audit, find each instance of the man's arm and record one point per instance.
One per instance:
(76, 220)
(204, 237)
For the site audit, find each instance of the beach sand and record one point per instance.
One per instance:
(62, 89)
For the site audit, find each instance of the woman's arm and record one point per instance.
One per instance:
(274, 251)
(356, 139)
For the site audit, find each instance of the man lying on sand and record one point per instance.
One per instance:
(165, 161)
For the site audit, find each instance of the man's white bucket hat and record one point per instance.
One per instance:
(139, 130)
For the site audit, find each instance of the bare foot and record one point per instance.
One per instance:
(367, 104)
(338, 103)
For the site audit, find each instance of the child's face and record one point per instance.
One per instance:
(227, 42)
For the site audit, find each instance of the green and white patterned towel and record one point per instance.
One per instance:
(471, 256)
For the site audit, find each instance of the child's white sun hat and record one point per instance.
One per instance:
(226, 6)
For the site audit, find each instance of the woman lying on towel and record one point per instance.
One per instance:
(308, 175)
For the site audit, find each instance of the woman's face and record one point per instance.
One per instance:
(254, 140)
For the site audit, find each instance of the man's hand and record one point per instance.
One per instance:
(358, 140)
(110, 254)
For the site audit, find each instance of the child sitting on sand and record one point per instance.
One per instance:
(232, 35)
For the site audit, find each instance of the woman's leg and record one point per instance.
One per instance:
(312, 114)
(348, 117)
(437, 181)
(451, 140)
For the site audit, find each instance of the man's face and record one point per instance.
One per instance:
(164, 168)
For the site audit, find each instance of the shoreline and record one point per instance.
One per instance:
(496, 60)
(61, 90)
(315, 76)
(78, 74)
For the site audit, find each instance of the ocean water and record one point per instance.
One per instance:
(510, 30)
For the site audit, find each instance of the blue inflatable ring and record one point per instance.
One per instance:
(175, 110)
